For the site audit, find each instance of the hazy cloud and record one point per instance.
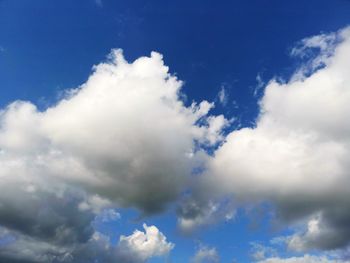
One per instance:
(303, 259)
(206, 255)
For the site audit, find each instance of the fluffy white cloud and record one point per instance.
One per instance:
(124, 137)
(124, 134)
(298, 155)
(144, 245)
(206, 255)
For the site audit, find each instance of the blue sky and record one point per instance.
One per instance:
(225, 52)
(53, 45)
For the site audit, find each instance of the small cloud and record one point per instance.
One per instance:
(223, 96)
(145, 245)
(259, 85)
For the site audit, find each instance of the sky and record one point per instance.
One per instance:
(174, 131)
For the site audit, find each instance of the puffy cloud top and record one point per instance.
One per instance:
(144, 245)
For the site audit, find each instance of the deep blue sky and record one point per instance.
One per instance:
(47, 46)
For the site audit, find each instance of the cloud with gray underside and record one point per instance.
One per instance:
(123, 138)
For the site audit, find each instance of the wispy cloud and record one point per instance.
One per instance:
(259, 85)
(99, 3)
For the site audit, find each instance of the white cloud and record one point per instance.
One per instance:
(214, 129)
(144, 245)
(259, 85)
(315, 52)
(298, 155)
(122, 129)
(122, 138)
(223, 96)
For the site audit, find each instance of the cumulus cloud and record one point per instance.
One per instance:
(42, 226)
(124, 134)
(329, 230)
(128, 130)
(298, 155)
(122, 138)
(206, 255)
(144, 245)
(18, 248)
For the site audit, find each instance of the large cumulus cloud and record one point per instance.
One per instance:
(123, 138)
(298, 154)
(124, 134)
